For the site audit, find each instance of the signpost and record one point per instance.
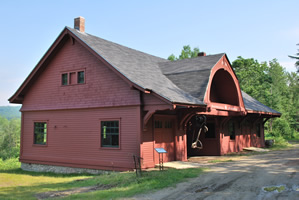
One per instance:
(160, 151)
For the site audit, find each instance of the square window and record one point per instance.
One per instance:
(40, 133)
(110, 134)
(64, 79)
(81, 77)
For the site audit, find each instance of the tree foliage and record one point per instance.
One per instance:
(273, 86)
(297, 58)
(186, 52)
(9, 137)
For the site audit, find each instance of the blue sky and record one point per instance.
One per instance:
(260, 29)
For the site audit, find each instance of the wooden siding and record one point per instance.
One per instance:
(147, 146)
(176, 143)
(152, 103)
(231, 94)
(74, 112)
(246, 136)
(74, 138)
(164, 138)
(102, 88)
(180, 143)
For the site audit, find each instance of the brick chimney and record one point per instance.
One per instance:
(201, 54)
(79, 24)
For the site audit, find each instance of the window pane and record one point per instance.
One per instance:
(110, 133)
(106, 141)
(115, 140)
(64, 79)
(81, 77)
(40, 133)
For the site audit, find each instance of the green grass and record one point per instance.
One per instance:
(218, 161)
(273, 188)
(18, 184)
(279, 144)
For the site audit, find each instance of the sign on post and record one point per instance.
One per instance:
(160, 151)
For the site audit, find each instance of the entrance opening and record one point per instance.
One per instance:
(223, 89)
(209, 139)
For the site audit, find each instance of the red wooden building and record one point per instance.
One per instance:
(92, 103)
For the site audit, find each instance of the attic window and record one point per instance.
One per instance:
(64, 79)
(80, 77)
(73, 77)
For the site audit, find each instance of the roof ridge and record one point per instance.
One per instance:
(123, 46)
(188, 59)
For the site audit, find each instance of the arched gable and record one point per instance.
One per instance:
(223, 91)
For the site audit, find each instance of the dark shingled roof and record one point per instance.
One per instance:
(140, 68)
(254, 105)
(191, 75)
(182, 81)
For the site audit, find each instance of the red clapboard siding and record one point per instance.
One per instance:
(246, 136)
(147, 145)
(74, 138)
(102, 86)
(74, 112)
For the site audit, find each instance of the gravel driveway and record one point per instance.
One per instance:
(246, 178)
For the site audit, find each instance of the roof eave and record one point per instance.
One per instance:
(264, 113)
(188, 105)
(15, 98)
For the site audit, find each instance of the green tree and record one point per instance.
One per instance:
(9, 137)
(293, 111)
(253, 78)
(186, 52)
(273, 86)
(297, 58)
(279, 88)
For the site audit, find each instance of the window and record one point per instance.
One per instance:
(258, 130)
(211, 131)
(231, 130)
(73, 77)
(168, 124)
(64, 80)
(80, 77)
(110, 134)
(40, 133)
(158, 124)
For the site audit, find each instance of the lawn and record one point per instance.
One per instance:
(18, 184)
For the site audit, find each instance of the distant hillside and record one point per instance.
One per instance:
(10, 112)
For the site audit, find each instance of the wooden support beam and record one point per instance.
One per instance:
(265, 120)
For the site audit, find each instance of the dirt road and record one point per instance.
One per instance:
(247, 178)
